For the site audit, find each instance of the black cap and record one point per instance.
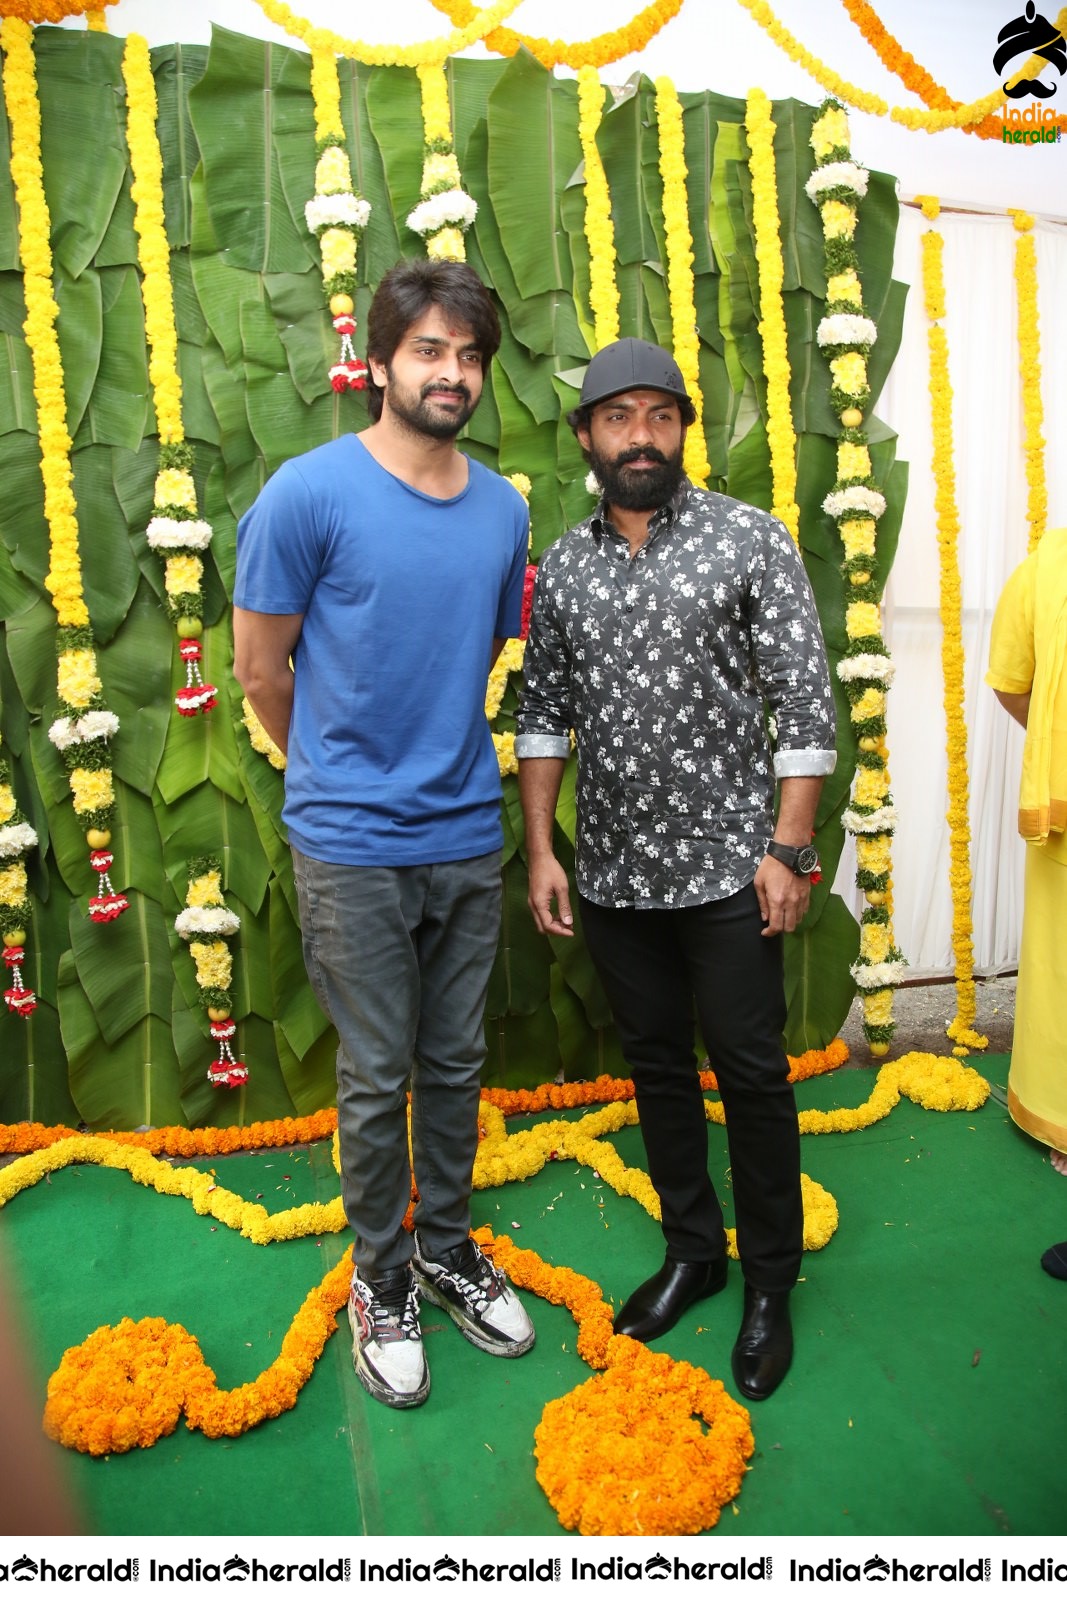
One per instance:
(631, 364)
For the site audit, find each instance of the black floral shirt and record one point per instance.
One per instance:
(671, 666)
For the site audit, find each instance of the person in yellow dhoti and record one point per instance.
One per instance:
(1028, 674)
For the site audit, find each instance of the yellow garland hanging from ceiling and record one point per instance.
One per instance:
(914, 76)
(961, 1028)
(1030, 377)
(388, 55)
(599, 227)
(599, 51)
(759, 126)
(55, 10)
(680, 287)
(861, 99)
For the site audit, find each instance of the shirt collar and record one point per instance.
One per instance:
(659, 523)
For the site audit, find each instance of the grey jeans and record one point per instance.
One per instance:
(399, 959)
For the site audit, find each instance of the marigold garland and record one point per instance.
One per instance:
(599, 227)
(861, 99)
(176, 532)
(16, 837)
(961, 1028)
(914, 76)
(680, 284)
(388, 55)
(206, 924)
(52, 10)
(20, 1138)
(759, 126)
(336, 215)
(1030, 377)
(79, 690)
(599, 51)
(445, 210)
(845, 336)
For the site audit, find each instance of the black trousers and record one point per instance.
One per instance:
(656, 966)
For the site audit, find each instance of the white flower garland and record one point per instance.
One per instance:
(68, 731)
(879, 974)
(164, 533)
(881, 668)
(206, 919)
(845, 327)
(840, 502)
(837, 175)
(884, 820)
(15, 838)
(451, 208)
(336, 210)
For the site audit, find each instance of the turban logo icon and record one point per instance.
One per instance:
(1031, 34)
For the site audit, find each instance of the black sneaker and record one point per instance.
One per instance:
(386, 1338)
(477, 1298)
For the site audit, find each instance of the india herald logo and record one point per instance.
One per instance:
(1031, 34)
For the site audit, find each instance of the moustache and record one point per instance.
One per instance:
(642, 453)
(431, 389)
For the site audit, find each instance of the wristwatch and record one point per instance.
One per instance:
(803, 859)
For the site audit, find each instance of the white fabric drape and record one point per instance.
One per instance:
(980, 322)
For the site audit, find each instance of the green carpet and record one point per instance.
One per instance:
(927, 1394)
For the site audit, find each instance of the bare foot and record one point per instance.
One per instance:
(1059, 1161)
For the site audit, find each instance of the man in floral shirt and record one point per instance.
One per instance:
(670, 631)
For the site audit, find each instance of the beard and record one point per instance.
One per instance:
(418, 412)
(640, 489)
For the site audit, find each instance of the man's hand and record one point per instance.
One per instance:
(548, 884)
(783, 896)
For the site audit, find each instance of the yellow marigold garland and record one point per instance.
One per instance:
(961, 1028)
(388, 55)
(336, 215)
(845, 335)
(176, 532)
(759, 125)
(206, 923)
(16, 838)
(53, 10)
(680, 285)
(445, 210)
(599, 51)
(599, 227)
(928, 121)
(915, 76)
(85, 727)
(1030, 377)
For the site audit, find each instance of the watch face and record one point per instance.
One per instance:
(807, 859)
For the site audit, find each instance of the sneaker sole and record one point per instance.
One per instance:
(499, 1346)
(374, 1385)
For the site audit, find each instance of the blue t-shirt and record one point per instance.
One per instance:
(391, 761)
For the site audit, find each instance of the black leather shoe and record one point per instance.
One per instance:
(764, 1347)
(656, 1306)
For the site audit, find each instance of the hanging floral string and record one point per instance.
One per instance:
(207, 923)
(1030, 377)
(680, 285)
(388, 55)
(759, 125)
(873, 104)
(21, 1138)
(599, 51)
(336, 215)
(85, 727)
(16, 837)
(176, 532)
(54, 10)
(961, 1028)
(511, 656)
(914, 76)
(845, 336)
(446, 210)
(599, 227)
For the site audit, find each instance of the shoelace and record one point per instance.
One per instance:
(394, 1318)
(478, 1281)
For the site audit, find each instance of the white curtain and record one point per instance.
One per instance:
(980, 323)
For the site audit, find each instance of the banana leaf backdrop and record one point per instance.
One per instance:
(119, 1039)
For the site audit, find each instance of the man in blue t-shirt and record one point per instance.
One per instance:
(377, 579)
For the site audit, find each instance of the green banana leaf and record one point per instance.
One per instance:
(533, 130)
